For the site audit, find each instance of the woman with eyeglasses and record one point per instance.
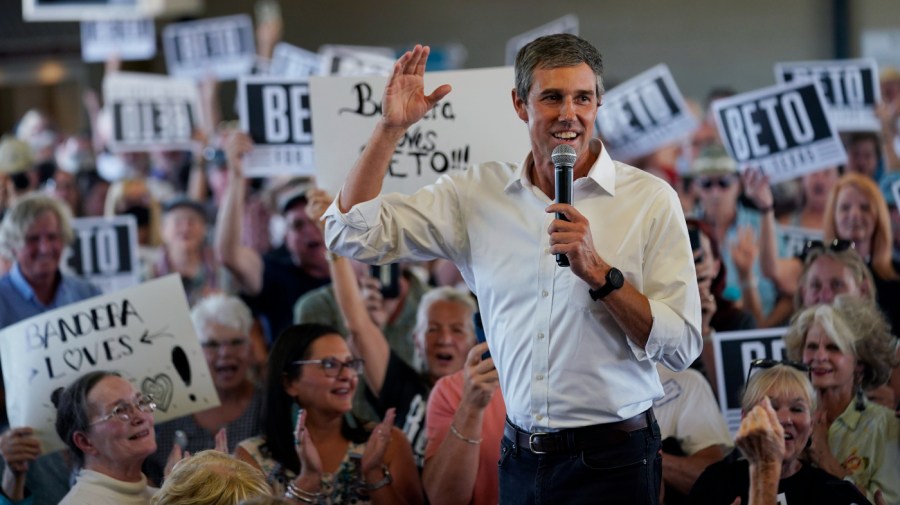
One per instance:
(848, 348)
(777, 422)
(326, 456)
(108, 426)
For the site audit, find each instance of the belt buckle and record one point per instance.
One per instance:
(531, 443)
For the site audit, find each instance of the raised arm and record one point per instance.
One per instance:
(761, 439)
(244, 263)
(404, 104)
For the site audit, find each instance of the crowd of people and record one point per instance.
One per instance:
(334, 389)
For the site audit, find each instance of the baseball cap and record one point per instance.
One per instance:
(15, 155)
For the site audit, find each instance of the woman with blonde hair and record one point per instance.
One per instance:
(211, 478)
(848, 347)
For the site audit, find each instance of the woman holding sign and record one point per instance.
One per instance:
(325, 456)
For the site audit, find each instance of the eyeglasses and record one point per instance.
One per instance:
(765, 364)
(722, 182)
(837, 245)
(214, 346)
(332, 366)
(124, 410)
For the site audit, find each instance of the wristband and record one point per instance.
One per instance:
(385, 481)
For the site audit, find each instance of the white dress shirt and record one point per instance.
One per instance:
(563, 360)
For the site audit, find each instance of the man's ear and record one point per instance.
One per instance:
(519, 104)
(81, 441)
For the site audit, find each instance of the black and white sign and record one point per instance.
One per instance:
(782, 129)
(151, 112)
(644, 113)
(356, 60)
(223, 47)
(734, 351)
(105, 252)
(293, 61)
(130, 39)
(81, 10)
(792, 239)
(275, 112)
(565, 24)
(850, 88)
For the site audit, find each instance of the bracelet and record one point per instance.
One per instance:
(385, 481)
(751, 283)
(460, 436)
(296, 493)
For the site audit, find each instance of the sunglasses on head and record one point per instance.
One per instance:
(764, 364)
(836, 245)
(721, 182)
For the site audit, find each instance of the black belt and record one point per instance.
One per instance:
(578, 439)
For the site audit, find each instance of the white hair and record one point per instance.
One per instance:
(229, 311)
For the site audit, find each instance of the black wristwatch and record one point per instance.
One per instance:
(614, 281)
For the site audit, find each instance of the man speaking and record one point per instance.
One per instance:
(575, 346)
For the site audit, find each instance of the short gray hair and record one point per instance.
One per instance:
(229, 311)
(555, 51)
(24, 213)
(443, 294)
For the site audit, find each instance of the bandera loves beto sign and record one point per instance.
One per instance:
(782, 129)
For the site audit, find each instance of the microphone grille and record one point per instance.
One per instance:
(563, 155)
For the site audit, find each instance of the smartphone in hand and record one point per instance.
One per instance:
(479, 333)
(389, 277)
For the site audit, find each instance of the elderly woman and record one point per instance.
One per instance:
(848, 347)
(211, 478)
(223, 326)
(108, 426)
(326, 456)
(785, 393)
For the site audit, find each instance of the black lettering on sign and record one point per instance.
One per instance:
(640, 109)
(852, 87)
(736, 358)
(775, 123)
(279, 113)
(367, 107)
(208, 42)
(101, 250)
(152, 121)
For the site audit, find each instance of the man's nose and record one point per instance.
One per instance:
(567, 110)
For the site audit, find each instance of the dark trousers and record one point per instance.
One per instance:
(627, 473)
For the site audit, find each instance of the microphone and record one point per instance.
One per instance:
(563, 157)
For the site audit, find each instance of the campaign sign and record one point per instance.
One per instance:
(565, 24)
(476, 122)
(143, 332)
(128, 39)
(223, 47)
(151, 111)
(793, 239)
(79, 10)
(782, 129)
(275, 112)
(850, 88)
(105, 252)
(293, 61)
(356, 60)
(881, 45)
(734, 351)
(644, 113)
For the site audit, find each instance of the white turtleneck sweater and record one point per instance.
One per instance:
(93, 488)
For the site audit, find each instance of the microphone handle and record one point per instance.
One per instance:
(564, 194)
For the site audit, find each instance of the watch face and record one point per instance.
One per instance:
(615, 278)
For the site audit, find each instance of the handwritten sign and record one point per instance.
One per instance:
(850, 89)
(475, 123)
(151, 111)
(644, 113)
(223, 47)
(293, 61)
(276, 113)
(105, 252)
(565, 24)
(131, 39)
(144, 333)
(782, 129)
(793, 239)
(356, 60)
(80, 10)
(734, 351)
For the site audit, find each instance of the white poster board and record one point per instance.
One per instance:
(79, 10)
(793, 239)
(850, 88)
(782, 129)
(356, 60)
(105, 252)
(293, 61)
(565, 24)
(151, 111)
(275, 112)
(734, 351)
(223, 47)
(881, 45)
(475, 123)
(127, 40)
(144, 333)
(643, 114)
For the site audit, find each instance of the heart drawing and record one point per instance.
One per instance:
(161, 388)
(73, 358)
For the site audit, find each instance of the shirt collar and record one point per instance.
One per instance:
(21, 284)
(603, 171)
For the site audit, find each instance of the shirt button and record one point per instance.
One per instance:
(547, 250)
(538, 417)
(544, 293)
(539, 377)
(541, 336)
